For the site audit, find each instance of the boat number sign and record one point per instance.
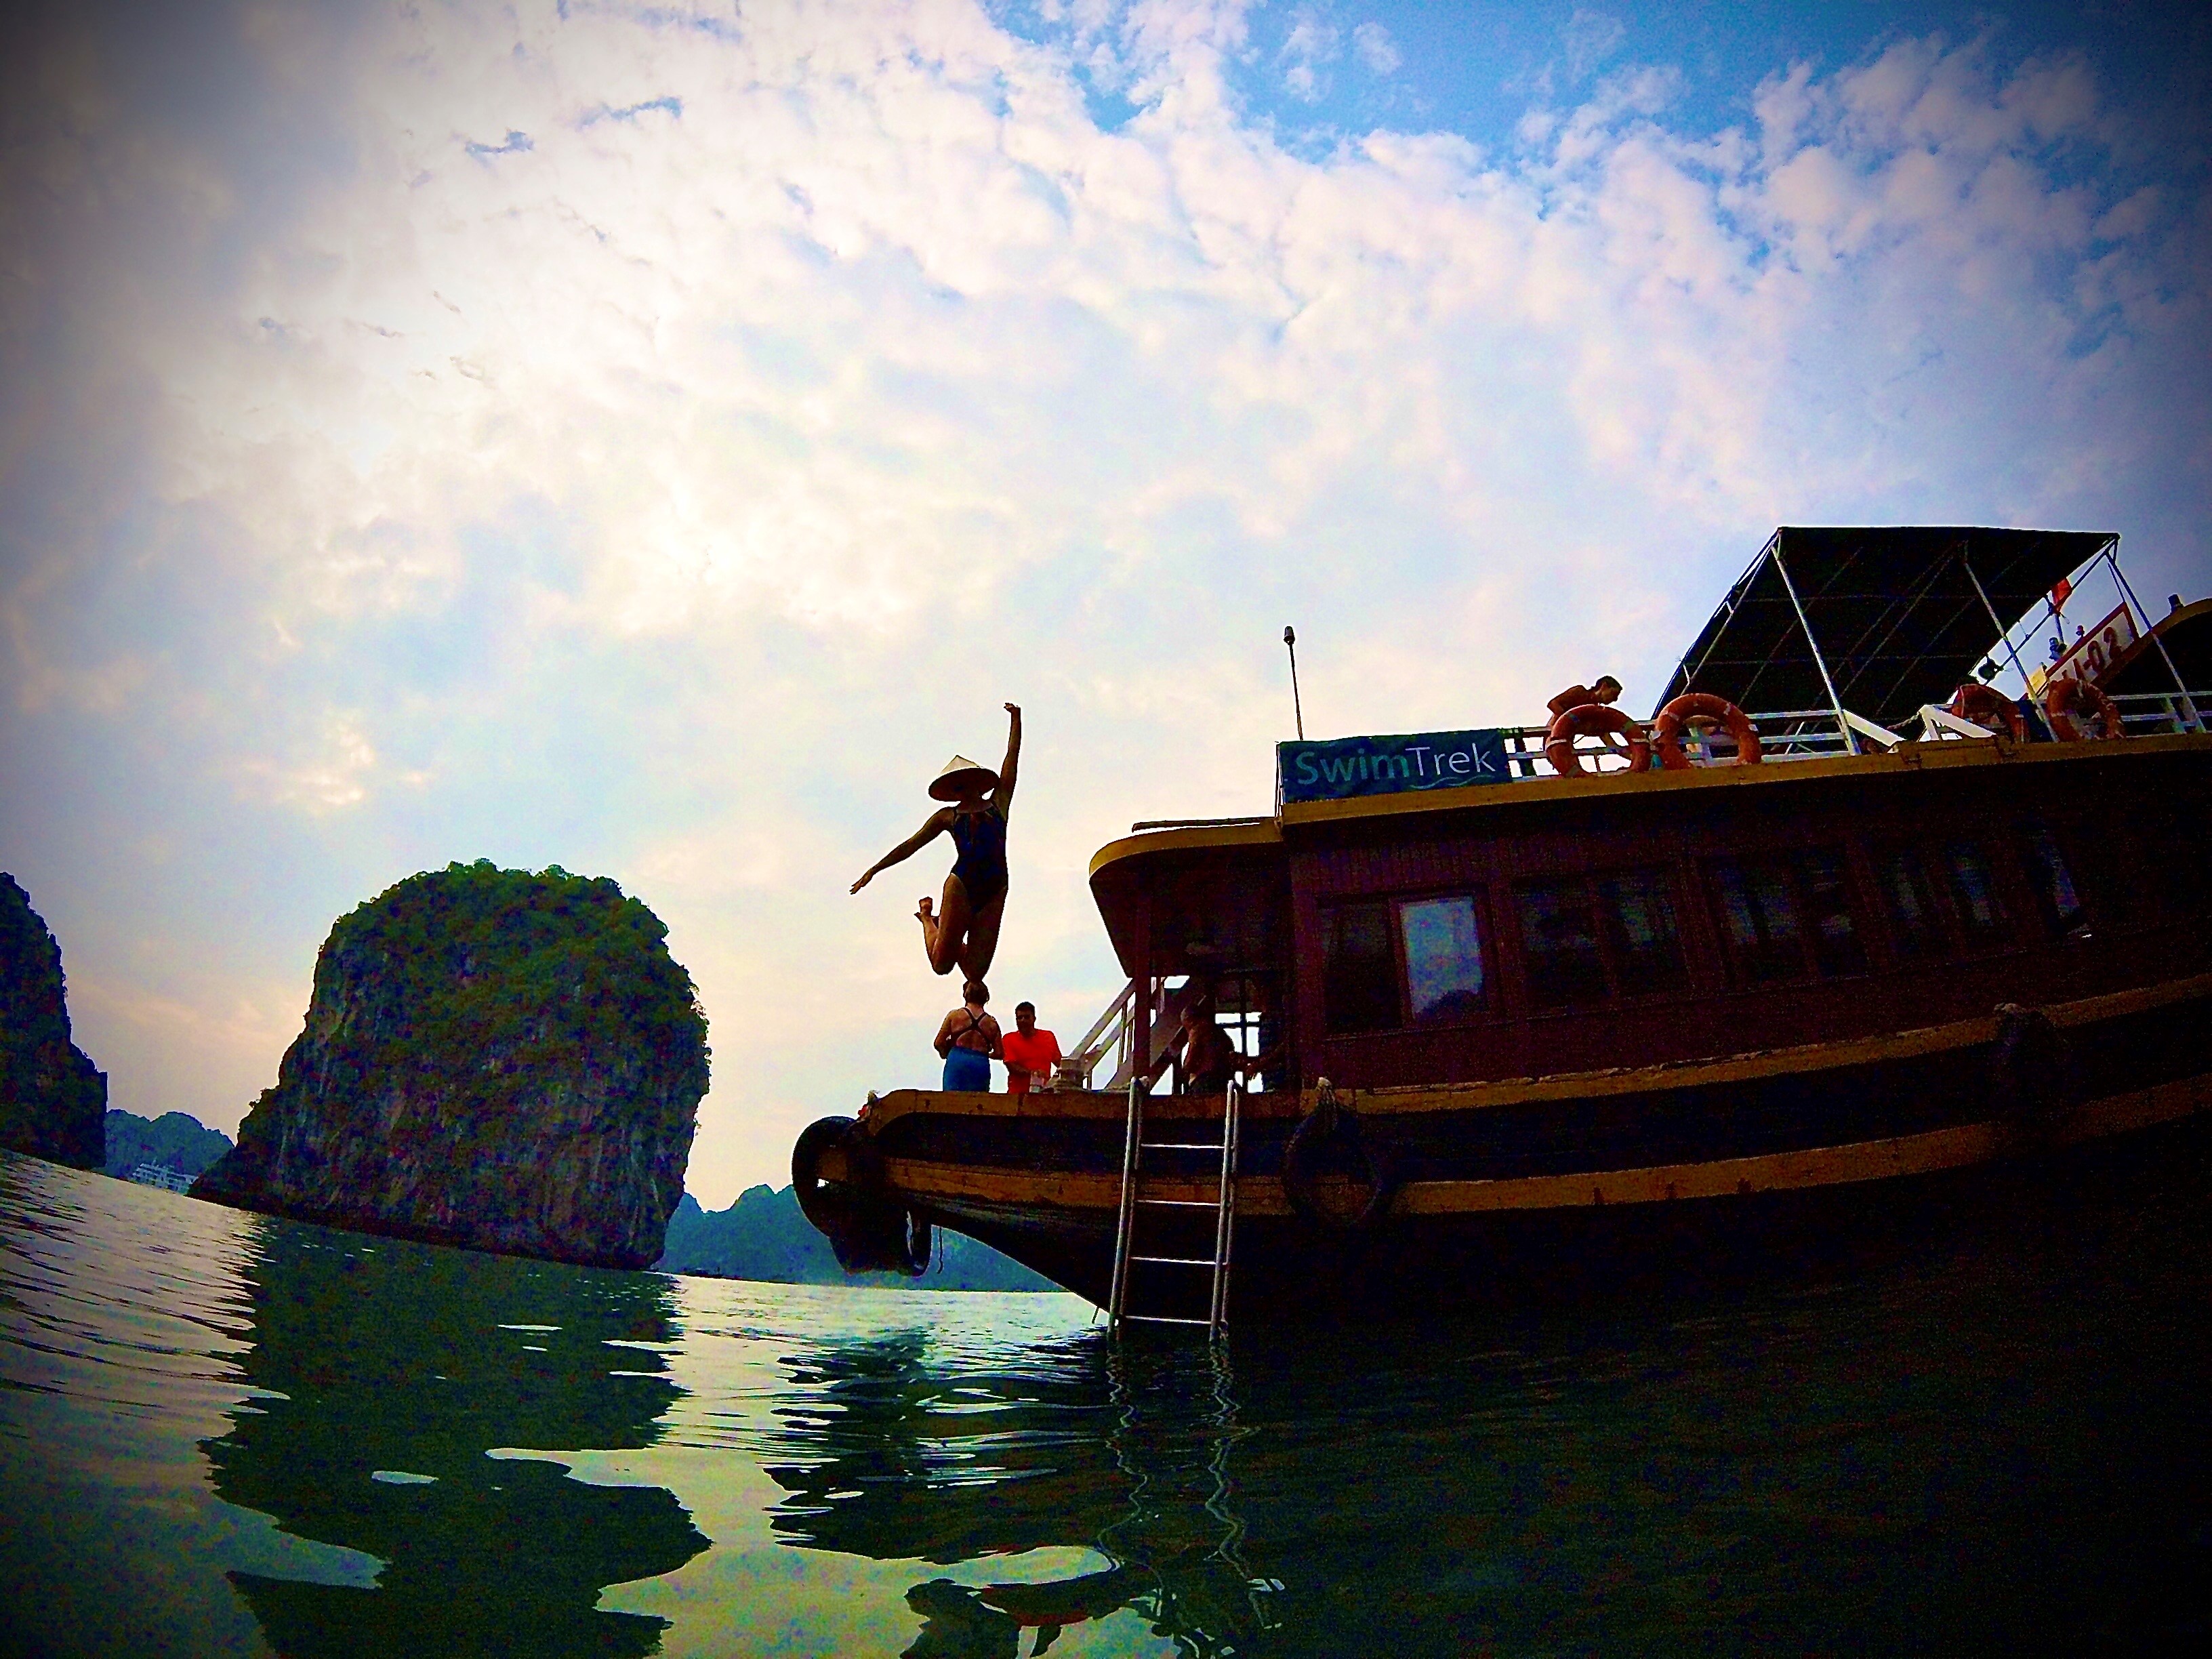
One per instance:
(1345, 766)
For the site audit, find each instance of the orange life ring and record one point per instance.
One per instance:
(1666, 730)
(1587, 719)
(2058, 701)
(1985, 705)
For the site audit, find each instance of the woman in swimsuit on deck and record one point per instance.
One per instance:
(964, 933)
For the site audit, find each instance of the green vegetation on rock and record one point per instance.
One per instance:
(176, 1139)
(492, 1057)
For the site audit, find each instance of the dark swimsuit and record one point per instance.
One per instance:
(982, 865)
(969, 1069)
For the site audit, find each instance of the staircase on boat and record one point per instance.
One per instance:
(1157, 1238)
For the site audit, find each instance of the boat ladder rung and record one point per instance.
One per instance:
(1224, 1206)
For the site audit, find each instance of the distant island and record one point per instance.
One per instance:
(496, 1059)
(175, 1140)
(764, 1236)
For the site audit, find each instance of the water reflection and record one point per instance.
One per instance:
(402, 1373)
(1125, 1449)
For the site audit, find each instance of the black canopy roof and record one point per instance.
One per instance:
(1894, 611)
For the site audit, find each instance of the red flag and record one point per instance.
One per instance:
(2061, 593)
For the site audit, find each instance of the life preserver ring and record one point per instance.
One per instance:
(1666, 730)
(2060, 699)
(868, 1226)
(1328, 1137)
(1587, 719)
(1986, 706)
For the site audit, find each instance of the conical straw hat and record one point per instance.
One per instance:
(959, 771)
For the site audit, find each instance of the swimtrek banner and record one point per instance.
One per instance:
(1344, 767)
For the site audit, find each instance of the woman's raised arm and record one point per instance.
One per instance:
(938, 823)
(1006, 790)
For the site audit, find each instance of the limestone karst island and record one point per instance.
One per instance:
(493, 1059)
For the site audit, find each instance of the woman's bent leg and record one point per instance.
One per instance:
(944, 935)
(982, 942)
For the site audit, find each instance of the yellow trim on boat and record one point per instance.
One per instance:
(945, 1185)
(1563, 1085)
(1268, 832)
(1907, 757)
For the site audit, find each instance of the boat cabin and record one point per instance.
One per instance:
(1449, 907)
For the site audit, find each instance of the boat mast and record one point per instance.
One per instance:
(2004, 635)
(2188, 705)
(1843, 724)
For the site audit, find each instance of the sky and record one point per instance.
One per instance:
(650, 438)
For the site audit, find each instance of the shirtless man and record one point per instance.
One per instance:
(1201, 1049)
(1608, 689)
(964, 933)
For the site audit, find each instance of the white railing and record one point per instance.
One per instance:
(1787, 734)
(2143, 714)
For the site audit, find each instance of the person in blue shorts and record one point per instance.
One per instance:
(969, 1039)
(963, 933)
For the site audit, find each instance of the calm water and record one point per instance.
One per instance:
(225, 1434)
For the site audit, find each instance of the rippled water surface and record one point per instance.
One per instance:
(220, 1433)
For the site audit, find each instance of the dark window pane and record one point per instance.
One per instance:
(1910, 903)
(2063, 915)
(1443, 959)
(1836, 947)
(1559, 937)
(1360, 977)
(1638, 918)
(1758, 917)
(1974, 890)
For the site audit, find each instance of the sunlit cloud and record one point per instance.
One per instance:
(649, 439)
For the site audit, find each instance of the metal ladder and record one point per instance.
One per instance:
(1224, 1206)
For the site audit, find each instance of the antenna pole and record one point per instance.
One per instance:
(1291, 639)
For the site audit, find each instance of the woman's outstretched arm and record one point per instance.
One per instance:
(906, 849)
(1006, 790)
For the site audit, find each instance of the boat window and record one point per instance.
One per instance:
(1758, 916)
(1443, 959)
(1558, 943)
(1639, 917)
(1359, 982)
(1914, 924)
(1974, 890)
(2055, 895)
(1835, 948)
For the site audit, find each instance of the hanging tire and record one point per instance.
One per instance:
(1327, 1141)
(2031, 1071)
(868, 1227)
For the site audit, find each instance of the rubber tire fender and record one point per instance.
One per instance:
(1318, 1129)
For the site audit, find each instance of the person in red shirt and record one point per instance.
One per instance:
(1030, 1053)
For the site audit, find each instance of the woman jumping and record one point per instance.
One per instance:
(964, 933)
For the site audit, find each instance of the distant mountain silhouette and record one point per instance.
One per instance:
(764, 1236)
(176, 1138)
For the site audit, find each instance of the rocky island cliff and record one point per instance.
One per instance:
(53, 1100)
(492, 1059)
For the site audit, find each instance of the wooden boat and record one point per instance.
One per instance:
(1539, 1023)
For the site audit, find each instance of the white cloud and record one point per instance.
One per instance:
(1376, 48)
(666, 494)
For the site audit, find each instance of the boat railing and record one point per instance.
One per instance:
(2142, 715)
(1786, 734)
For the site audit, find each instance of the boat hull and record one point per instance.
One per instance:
(1557, 1185)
